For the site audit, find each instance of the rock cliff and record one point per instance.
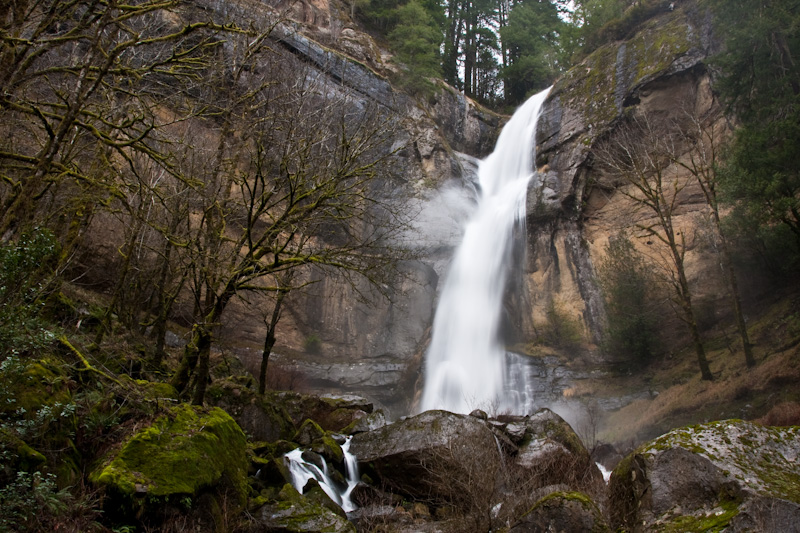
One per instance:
(572, 211)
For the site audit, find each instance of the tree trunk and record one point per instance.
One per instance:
(188, 362)
(686, 303)
(203, 366)
(269, 342)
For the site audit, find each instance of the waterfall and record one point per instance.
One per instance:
(465, 363)
(303, 471)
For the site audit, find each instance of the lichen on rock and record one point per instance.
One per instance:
(729, 474)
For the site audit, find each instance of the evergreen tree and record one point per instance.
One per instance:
(531, 42)
(627, 284)
(416, 40)
(760, 81)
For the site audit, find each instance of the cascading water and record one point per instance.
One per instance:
(302, 471)
(465, 363)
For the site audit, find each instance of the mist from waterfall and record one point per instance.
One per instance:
(466, 362)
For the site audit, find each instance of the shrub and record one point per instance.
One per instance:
(26, 279)
(559, 329)
(632, 313)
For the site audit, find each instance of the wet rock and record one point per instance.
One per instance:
(261, 417)
(730, 474)
(309, 432)
(370, 422)
(552, 453)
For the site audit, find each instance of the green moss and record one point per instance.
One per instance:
(328, 448)
(653, 49)
(563, 433)
(187, 450)
(717, 520)
(295, 513)
(41, 383)
(156, 390)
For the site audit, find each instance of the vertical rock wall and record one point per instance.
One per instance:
(660, 69)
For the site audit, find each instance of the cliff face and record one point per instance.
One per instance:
(659, 71)
(341, 334)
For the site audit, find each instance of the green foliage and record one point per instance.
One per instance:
(627, 286)
(26, 279)
(313, 344)
(760, 82)
(604, 21)
(531, 39)
(26, 497)
(416, 39)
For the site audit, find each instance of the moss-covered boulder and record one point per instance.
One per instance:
(331, 412)
(188, 451)
(293, 513)
(730, 475)
(563, 511)
(263, 418)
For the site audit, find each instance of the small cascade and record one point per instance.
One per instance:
(303, 471)
(465, 365)
(603, 470)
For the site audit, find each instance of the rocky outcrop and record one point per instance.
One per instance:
(472, 466)
(730, 475)
(468, 127)
(659, 69)
(293, 513)
(434, 455)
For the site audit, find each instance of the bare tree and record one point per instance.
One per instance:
(290, 184)
(79, 83)
(705, 138)
(640, 153)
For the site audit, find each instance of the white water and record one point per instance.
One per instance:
(465, 363)
(606, 473)
(302, 471)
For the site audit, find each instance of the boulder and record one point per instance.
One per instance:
(731, 475)
(293, 513)
(437, 456)
(562, 512)
(263, 418)
(331, 412)
(187, 451)
(370, 422)
(552, 453)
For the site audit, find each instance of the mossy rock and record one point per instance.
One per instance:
(293, 513)
(309, 432)
(563, 511)
(332, 413)
(710, 477)
(157, 390)
(187, 451)
(33, 385)
(24, 458)
(263, 418)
